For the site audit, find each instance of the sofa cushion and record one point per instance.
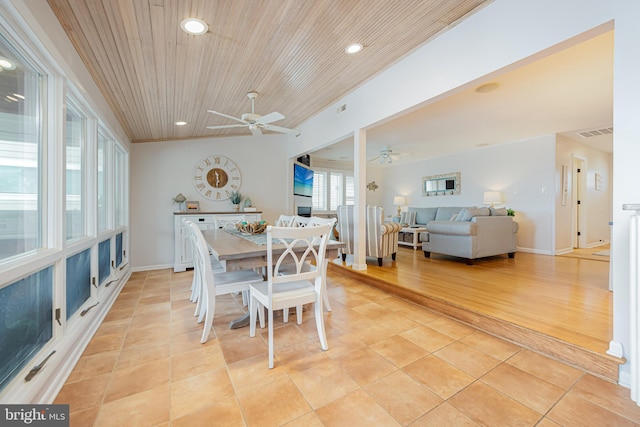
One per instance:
(467, 213)
(459, 228)
(498, 211)
(423, 215)
(445, 213)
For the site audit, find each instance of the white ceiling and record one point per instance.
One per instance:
(565, 92)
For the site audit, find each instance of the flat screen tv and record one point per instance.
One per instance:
(302, 181)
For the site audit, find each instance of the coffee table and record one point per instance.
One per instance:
(415, 242)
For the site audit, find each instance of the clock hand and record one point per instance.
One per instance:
(217, 178)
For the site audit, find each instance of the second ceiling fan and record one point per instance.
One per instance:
(255, 122)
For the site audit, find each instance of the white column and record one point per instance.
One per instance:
(359, 210)
(634, 300)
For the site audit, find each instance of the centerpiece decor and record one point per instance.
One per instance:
(257, 227)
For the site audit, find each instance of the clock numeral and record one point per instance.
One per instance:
(207, 162)
(235, 187)
(200, 168)
(198, 177)
(235, 178)
(207, 193)
(218, 195)
(234, 169)
(216, 160)
(228, 193)
(200, 186)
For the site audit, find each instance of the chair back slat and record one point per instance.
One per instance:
(301, 245)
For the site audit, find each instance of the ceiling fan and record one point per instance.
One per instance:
(386, 156)
(254, 121)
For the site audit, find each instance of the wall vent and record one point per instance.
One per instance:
(596, 132)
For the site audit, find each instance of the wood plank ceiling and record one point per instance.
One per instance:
(289, 51)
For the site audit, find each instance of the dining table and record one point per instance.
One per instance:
(241, 251)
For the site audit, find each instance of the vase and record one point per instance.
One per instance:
(236, 207)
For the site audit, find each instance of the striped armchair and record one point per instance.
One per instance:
(382, 238)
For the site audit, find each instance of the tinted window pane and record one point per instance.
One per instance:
(25, 321)
(20, 139)
(78, 281)
(104, 260)
(118, 249)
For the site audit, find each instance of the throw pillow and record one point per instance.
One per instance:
(464, 215)
(498, 211)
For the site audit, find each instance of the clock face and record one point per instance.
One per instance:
(216, 177)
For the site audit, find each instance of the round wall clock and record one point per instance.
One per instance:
(216, 177)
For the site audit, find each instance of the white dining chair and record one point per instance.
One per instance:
(215, 284)
(303, 286)
(311, 222)
(216, 266)
(285, 221)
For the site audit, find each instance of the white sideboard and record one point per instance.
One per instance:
(206, 221)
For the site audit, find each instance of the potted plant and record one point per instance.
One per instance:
(235, 198)
(179, 200)
(511, 212)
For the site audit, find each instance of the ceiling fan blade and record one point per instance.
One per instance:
(374, 158)
(255, 130)
(226, 126)
(280, 129)
(270, 118)
(227, 116)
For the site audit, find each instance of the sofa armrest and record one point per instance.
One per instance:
(390, 227)
(456, 228)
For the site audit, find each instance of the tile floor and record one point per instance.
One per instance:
(389, 363)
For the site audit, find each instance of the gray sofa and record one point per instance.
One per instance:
(468, 233)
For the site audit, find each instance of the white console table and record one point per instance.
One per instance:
(206, 221)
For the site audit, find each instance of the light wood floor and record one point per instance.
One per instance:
(540, 300)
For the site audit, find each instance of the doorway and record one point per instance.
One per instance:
(578, 202)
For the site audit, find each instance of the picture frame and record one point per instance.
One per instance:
(192, 206)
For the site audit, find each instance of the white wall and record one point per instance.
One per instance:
(161, 170)
(523, 171)
(596, 204)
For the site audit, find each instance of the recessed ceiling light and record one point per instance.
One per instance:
(487, 87)
(194, 26)
(181, 123)
(6, 64)
(353, 48)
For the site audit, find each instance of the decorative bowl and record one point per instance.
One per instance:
(258, 227)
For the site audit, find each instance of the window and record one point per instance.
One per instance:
(350, 190)
(26, 321)
(74, 165)
(336, 191)
(332, 189)
(319, 199)
(103, 144)
(20, 146)
(121, 187)
(78, 281)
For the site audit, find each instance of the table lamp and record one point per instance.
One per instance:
(399, 201)
(492, 197)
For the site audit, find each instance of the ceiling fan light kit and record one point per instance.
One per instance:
(255, 122)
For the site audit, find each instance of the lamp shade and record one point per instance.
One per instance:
(492, 197)
(399, 201)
